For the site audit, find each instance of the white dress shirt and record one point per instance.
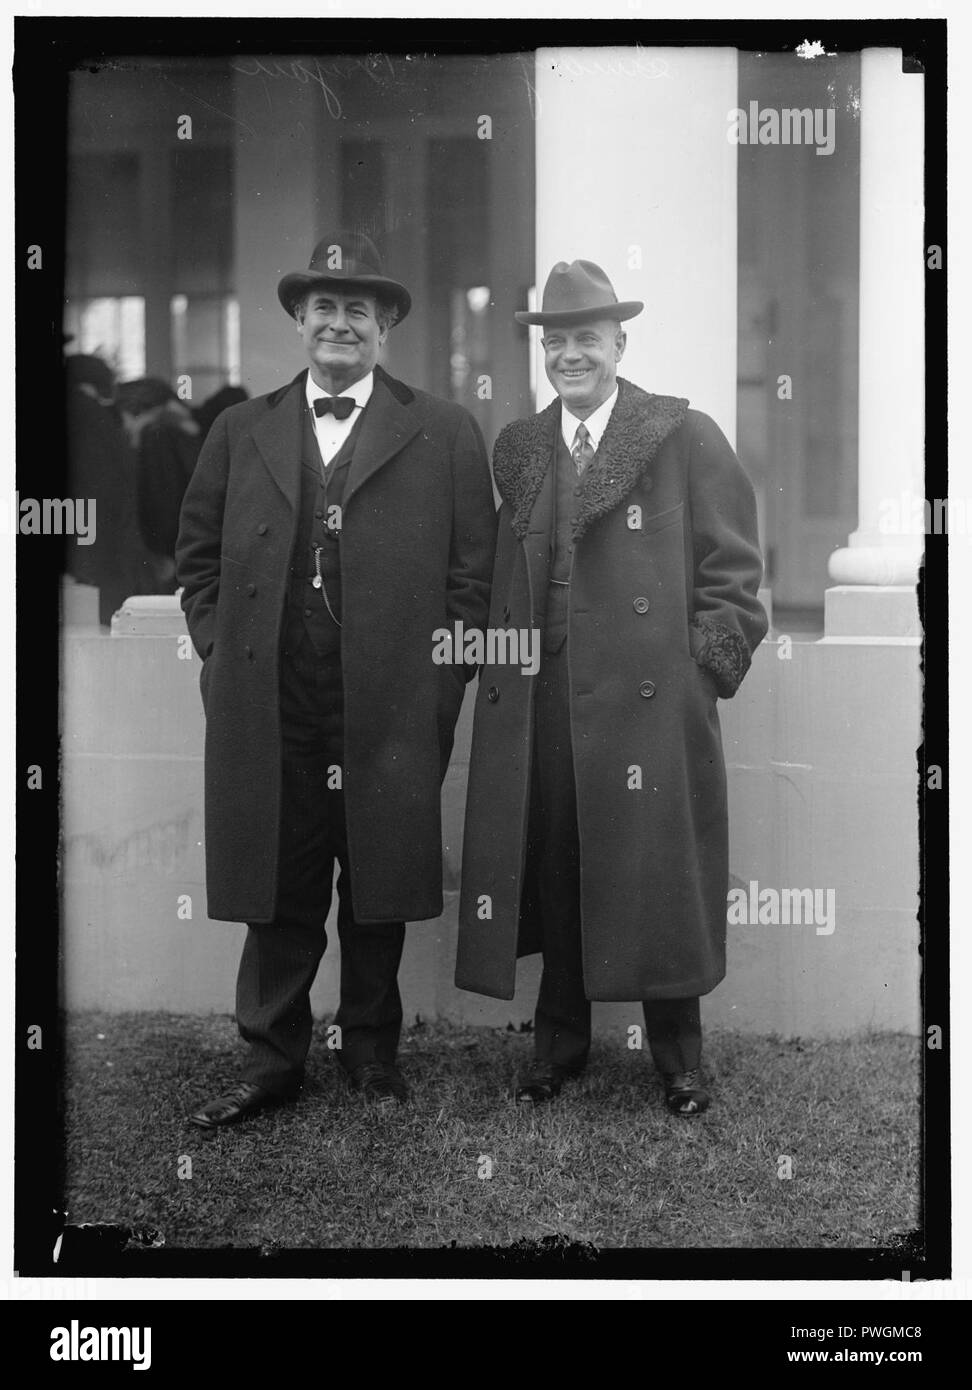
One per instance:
(331, 432)
(595, 424)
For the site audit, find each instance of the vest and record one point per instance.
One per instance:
(320, 491)
(566, 492)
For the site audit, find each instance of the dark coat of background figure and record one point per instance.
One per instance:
(663, 615)
(168, 449)
(101, 468)
(166, 436)
(418, 477)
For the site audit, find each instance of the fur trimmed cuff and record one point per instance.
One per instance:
(724, 654)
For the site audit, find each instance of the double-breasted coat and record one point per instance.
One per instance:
(663, 616)
(418, 531)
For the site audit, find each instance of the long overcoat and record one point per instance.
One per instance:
(418, 532)
(663, 617)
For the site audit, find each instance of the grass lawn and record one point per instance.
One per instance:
(604, 1164)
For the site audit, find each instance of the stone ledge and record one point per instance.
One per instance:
(871, 611)
(149, 615)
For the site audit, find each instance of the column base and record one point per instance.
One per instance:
(149, 615)
(875, 565)
(871, 610)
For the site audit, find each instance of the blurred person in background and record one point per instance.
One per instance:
(166, 438)
(101, 468)
(207, 413)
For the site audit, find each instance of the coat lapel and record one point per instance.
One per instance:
(522, 459)
(538, 542)
(277, 436)
(390, 422)
(522, 468)
(638, 426)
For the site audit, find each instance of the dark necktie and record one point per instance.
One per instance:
(342, 406)
(581, 453)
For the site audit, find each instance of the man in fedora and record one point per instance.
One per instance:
(596, 816)
(330, 528)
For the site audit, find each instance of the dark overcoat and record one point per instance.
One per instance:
(417, 542)
(663, 616)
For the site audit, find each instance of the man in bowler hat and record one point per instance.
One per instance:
(329, 529)
(596, 827)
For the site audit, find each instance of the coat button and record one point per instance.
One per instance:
(262, 529)
(251, 589)
(492, 694)
(647, 689)
(641, 605)
(249, 652)
(318, 513)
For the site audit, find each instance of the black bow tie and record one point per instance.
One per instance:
(342, 406)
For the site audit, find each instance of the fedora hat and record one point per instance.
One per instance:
(576, 292)
(347, 260)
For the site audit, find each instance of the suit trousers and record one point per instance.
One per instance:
(280, 958)
(562, 1024)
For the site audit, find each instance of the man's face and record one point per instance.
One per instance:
(582, 363)
(341, 334)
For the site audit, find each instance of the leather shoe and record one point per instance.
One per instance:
(542, 1082)
(684, 1094)
(379, 1081)
(244, 1099)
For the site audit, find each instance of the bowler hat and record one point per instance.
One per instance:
(347, 260)
(578, 292)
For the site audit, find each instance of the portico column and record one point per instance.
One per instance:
(885, 550)
(635, 171)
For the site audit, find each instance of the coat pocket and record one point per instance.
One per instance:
(708, 680)
(204, 678)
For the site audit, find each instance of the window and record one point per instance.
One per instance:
(205, 342)
(112, 329)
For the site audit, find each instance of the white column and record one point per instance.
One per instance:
(885, 550)
(635, 171)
